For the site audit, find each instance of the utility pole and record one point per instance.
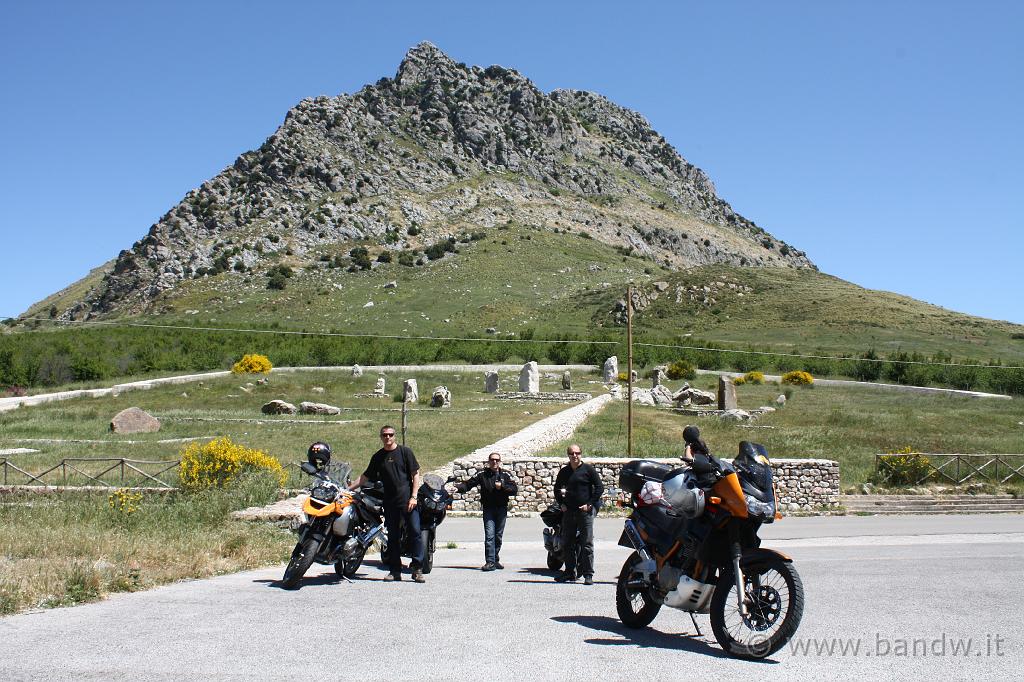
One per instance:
(405, 418)
(629, 375)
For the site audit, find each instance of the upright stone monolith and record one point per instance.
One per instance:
(357, 371)
(611, 370)
(529, 378)
(379, 388)
(410, 391)
(491, 384)
(658, 377)
(566, 381)
(726, 394)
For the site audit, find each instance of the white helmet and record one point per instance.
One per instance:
(682, 493)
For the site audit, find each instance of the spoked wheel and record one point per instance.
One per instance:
(302, 559)
(633, 600)
(774, 606)
(554, 561)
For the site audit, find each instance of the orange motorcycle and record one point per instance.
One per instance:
(697, 550)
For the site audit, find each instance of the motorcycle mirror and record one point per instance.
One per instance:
(308, 468)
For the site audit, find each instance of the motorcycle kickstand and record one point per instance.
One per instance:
(695, 626)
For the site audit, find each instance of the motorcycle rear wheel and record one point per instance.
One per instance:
(636, 607)
(301, 560)
(774, 612)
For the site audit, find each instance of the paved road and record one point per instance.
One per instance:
(884, 580)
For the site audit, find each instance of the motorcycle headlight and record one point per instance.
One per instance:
(760, 510)
(324, 493)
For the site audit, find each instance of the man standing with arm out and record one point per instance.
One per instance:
(396, 467)
(578, 490)
(496, 487)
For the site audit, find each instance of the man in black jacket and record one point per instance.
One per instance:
(496, 487)
(578, 490)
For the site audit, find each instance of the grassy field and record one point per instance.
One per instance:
(228, 407)
(848, 424)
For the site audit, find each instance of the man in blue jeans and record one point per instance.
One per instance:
(396, 467)
(496, 487)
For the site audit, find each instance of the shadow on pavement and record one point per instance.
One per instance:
(645, 637)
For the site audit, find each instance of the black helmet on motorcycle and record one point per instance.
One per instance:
(319, 454)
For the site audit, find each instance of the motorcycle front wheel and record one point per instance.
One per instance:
(350, 563)
(633, 601)
(427, 537)
(774, 604)
(301, 560)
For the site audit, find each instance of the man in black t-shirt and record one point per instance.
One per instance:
(578, 490)
(396, 467)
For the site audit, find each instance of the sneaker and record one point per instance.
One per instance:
(565, 577)
(417, 577)
(497, 565)
(488, 567)
(391, 577)
(588, 580)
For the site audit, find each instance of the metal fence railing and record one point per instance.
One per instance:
(915, 468)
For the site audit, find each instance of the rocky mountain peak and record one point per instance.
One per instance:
(423, 63)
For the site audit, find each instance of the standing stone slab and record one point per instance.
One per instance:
(726, 394)
(410, 391)
(134, 420)
(611, 370)
(379, 388)
(529, 378)
(491, 382)
(658, 377)
(566, 381)
(357, 371)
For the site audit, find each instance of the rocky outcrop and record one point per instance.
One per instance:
(278, 407)
(395, 155)
(134, 420)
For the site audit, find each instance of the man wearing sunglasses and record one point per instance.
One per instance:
(496, 487)
(578, 490)
(396, 467)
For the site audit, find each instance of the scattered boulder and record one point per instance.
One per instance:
(318, 408)
(491, 330)
(441, 397)
(262, 382)
(410, 391)
(357, 371)
(491, 382)
(781, 400)
(694, 396)
(726, 394)
(610, 373)
(735, 415)
(317, 389)
(643, 396)
(391, 285)
(633, 376)
(529, 378)
(566, 381)
(134, 420)
(379, 387)
(765, 409)
(278, 407)
(661, 395)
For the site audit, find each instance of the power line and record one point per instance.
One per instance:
(400, 337)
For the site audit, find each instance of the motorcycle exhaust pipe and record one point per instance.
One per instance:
(647, 564)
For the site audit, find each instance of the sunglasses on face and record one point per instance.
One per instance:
(387, 435)
(494, 461)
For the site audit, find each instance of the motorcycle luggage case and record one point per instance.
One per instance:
(635, 473)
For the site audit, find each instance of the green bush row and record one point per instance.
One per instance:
(55, 357)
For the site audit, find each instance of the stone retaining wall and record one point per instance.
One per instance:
(803, 484)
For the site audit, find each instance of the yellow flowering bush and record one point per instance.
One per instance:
(220, 462)
(798, 378)
(681, 369)
(739, 381)
(905, 467)
(754, 378)
(252, 364)
(124, 502)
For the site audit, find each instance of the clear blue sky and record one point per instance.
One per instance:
(883, 138)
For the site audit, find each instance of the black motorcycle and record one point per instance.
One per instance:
(337, 526)
(552, 517)
(433, 501)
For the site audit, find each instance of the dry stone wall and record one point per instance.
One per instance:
(803, 484)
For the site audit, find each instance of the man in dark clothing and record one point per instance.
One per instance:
(496, 487)
(396, 467)
(578, 490)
